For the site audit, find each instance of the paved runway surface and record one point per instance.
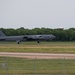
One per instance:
(37, 55)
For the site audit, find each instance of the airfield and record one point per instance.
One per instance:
(29, 58)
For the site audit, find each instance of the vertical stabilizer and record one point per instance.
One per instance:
(2, 34)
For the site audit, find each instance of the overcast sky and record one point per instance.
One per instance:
(37, 13)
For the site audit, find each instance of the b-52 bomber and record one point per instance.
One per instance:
(18, 39)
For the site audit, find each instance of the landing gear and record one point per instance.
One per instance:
(38, 41)
(18, 42)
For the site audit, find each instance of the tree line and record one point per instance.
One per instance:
(60, 33)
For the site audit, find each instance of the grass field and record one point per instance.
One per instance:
(43, 47)
(17, 66)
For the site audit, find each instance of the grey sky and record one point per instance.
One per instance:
(37, 13)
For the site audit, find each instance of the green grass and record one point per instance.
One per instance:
(43, 47)
(38, 66)
(17, 66)
(39, 50)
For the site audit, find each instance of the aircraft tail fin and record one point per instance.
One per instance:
(2, 34)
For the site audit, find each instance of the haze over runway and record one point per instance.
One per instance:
(37, 13)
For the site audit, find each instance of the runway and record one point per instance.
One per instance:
(37, 55)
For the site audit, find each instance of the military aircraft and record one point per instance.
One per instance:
(18, 39)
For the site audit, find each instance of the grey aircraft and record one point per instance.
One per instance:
(18, 39)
